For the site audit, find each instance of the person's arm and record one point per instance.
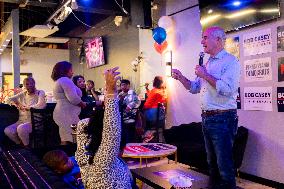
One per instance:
(70, 92)
(228, 82)
(15, 99)
(201, 72)
(82, 140)
(41, 101)
(94, 95)
(193, 86)
(111, 134)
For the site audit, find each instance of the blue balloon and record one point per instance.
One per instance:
(159, 35)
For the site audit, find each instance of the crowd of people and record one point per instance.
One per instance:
(103, 128)
(103, 132)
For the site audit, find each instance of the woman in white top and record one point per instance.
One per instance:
(68, 100)
(29, 98)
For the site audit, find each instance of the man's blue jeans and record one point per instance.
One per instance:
(219, 133)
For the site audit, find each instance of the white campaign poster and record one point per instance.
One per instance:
(257, 42)
(258, 69)
(258, 98)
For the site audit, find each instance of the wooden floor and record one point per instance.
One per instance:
(242, 183)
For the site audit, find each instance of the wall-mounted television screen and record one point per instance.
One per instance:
(95, 53)
(235, 14)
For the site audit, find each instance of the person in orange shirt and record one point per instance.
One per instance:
(154, 97)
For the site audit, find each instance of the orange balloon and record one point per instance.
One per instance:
(161, 48)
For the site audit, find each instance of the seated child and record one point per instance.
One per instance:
(65, 166)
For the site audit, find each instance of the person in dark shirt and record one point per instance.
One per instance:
(65, 166)
(90, 88)
(91, 103)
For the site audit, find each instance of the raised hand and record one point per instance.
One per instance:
(111, 77)
(176, 74)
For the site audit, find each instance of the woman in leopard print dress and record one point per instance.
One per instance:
(98, 144)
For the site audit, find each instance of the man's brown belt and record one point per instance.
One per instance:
(215, 112)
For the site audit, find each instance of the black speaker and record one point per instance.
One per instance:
(147, 14)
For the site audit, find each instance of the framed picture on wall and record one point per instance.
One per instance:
(8, 80)
(95, 53)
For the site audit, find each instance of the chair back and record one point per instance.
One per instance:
(45, 132)
(161, 121)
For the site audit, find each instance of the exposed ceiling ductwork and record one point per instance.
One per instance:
(53, 14)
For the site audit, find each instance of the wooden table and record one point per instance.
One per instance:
(149, 150)
(155, 176)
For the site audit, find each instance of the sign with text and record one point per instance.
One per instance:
(280, 99)
(232, 45)
(258, 42)
(280, 38)
(258, 69)
(258, 98)
(281, 69)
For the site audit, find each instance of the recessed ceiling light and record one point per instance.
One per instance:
(236, 3)
(4, 45)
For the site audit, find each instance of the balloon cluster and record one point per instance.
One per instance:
(160, 33)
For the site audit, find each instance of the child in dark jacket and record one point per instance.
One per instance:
(65, 166)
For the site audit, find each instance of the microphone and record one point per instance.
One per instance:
(201, 56)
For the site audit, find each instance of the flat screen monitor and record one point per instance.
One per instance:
(235, 14)
(95, 53)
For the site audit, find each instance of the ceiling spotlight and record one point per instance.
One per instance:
(74, 5)
(63, 15)
(117, 20)
(236, 3)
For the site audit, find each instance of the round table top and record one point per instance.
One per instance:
(148, 150)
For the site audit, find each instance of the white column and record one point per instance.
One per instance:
(15, 47)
